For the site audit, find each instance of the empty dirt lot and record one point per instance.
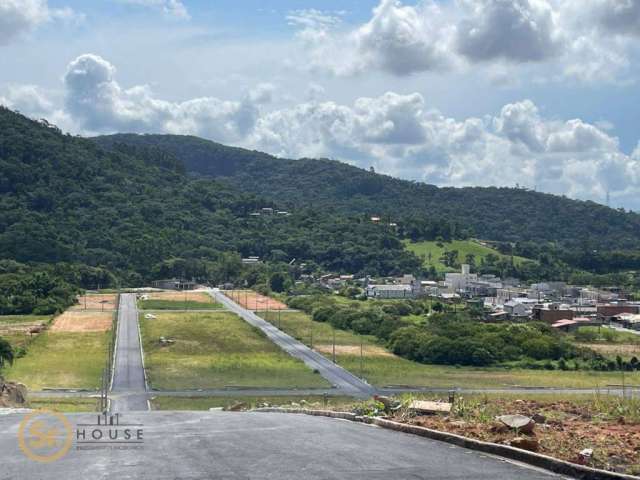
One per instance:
(79, 321)
(254, 301)
(94, 301)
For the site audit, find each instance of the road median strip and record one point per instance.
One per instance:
(524, 456)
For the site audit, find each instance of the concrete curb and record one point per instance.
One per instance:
(524, 456)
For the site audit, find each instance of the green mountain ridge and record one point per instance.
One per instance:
(132, 209)
(492, 213)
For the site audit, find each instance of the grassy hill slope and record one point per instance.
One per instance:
(499, 214)
(431, 253)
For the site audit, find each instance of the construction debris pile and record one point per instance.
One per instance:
(12, 394)
(604, 433)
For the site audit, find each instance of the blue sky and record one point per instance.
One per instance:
(539, 93)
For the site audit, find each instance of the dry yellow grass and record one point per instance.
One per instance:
(614, 348)
(102, 302)
(79, 321)
(367, 350)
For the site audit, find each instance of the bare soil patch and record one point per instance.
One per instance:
(79, 321)
(94, 301)
(185, 296)
(565, 429)
(254, 301)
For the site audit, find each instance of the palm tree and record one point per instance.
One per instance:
(6, 353)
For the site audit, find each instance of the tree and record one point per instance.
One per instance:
(277, 282)
(6, 353)
(450, 258)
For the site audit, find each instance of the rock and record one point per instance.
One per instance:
(539, 418)
(12, 394)
(459, 424)
(520, 423)
(586, 453)
(499, 427)
(236, 407)
(530, 444)
(429, 408)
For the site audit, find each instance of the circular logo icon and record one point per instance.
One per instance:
(45, 436)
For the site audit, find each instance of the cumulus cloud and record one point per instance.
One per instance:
(513, 30)
(99, 103)
(587, 41)
(398, 39)
(21, 16)
(397, 133)
(170, 8)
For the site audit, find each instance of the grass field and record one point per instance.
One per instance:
(65, 405)
(15, 328)
(205, 403)
(12, 319)
(432, 252)
(177, 305)
(381, 368)
(62, 360)
(214, 350)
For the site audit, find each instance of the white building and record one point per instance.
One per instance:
(390, 291)
(459, 281)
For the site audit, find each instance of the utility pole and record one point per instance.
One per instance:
(361, 358)
(334, 345)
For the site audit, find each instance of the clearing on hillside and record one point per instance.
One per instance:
(79, 321)
(96, 301)
(254, 301)
(432, 253)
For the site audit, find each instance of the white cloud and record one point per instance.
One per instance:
(586, 41)
(170, 8)
(35, 102)
(511, 30)
(397, 133)
(398, 39)
(100, 104)
(19, 16)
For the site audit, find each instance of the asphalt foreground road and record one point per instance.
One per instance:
(225, 445)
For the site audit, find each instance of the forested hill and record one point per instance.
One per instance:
(501, 214)
(130, 209)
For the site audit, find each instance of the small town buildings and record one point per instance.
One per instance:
(608, 310)
(251, 261)
(459, 281)
(628, 320)
(551, 313)
(390, 291)
(174, 284)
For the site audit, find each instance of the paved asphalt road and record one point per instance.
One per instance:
(345, 382)
(220, 445)
(128, 390)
